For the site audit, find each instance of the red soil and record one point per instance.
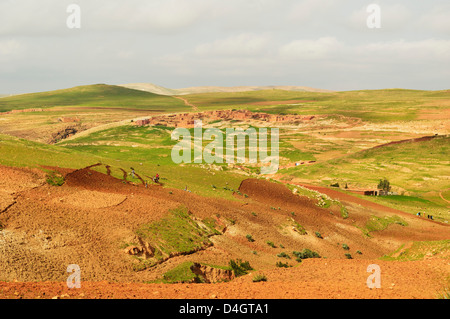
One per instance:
(89, 218)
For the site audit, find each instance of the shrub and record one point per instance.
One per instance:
(345, 246)
(271, 244)
(284, 255)
(359, 252)
(318, 235)
(239, 267)
(305, 254)
(335, 185)
(282, 265)
(348, 256)
(250, 238)
(259, 278)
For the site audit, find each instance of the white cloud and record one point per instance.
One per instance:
(240, 45)
(143, 15)
(438, 19)
(308, 10)
(429, 50)
(10, 48)
(311, 49)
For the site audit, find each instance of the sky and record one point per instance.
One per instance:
(323, 44)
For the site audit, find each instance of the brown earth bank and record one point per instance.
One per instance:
(93, 217)
(313, 279)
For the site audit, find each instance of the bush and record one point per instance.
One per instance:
(240, 268)
(335, 185)
(319, 235)
(259, 278)
(305, 254)
(345, 246)
(250, 238)
(284, 255)
(271, 244)
(348, 256)
(359, 252)
(282, 265)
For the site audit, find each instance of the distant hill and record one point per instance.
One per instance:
(98, 95)
(149, 87)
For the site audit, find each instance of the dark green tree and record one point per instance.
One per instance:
(384, 185)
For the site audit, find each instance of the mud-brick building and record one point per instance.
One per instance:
(142, 122)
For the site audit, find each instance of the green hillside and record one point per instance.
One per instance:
(99, 95)
(15, 152)
(417, 169)
(369, 105)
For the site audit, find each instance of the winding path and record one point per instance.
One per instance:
(187, 103)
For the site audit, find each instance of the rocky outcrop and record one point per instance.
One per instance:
(211, 274)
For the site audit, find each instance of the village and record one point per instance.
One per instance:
(187, 120)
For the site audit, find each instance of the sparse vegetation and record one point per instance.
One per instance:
(259, 278)
(305, 254)
(271, 244)
(283, 255)
(55, 179)
(282, 265)
(239, 267)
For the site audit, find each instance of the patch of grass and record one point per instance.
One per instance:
(419, 250)
(239, 267)
(182, 274)
(55, 179)
(177, 233)
(378, 224)
(445, 294)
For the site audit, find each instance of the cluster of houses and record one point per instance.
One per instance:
(187, 120)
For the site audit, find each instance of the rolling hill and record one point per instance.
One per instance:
(149, 87)
(98, 95)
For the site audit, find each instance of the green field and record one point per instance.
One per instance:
(369, 105)
(418, 171)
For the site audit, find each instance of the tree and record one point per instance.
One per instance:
(384, 185)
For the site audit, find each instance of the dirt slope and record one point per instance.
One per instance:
(89, 219)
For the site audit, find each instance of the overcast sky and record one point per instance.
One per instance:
(181, 43)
